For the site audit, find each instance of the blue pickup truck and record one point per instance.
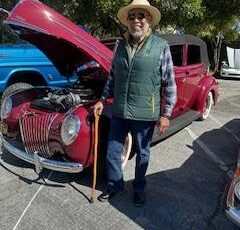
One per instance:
(23, 66)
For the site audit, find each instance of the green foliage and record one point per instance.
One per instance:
(199, 17)
(204, 18)
(8, 4)
(5, 34)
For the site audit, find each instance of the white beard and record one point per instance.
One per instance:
(137, 35)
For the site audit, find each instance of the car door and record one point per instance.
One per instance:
(178, 53)
(194, 72)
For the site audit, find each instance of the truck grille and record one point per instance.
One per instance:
(34, 132)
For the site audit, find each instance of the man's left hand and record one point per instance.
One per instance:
(163, 124)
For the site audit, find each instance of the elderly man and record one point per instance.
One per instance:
(141, 67)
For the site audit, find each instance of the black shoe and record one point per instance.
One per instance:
(106, 196)
(139, 199)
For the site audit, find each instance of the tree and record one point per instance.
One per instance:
(220, 23)
(213, 20)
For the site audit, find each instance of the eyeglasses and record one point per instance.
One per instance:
(139, 16)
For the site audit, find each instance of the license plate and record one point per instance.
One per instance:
(3, 128)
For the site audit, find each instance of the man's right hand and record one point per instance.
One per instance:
(98, 108)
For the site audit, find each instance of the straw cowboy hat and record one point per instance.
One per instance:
(139, 4)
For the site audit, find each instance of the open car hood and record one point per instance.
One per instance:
(63, 42)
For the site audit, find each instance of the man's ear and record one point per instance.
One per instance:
(150, 19)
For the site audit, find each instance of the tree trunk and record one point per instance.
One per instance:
(217, 44)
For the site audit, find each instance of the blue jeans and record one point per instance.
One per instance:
(142, 132)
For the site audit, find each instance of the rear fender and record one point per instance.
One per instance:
(208, 84)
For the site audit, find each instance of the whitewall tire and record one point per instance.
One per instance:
(207, 106)
(126, 150)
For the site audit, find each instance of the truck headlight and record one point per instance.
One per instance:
(70, 128)
(6, 107)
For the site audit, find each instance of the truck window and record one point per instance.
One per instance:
(7, 36)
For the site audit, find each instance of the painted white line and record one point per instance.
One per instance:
(210, 153)
(226, 129)
(29, 204)
(235, 104)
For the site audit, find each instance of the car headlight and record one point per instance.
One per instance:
(70, 128)
(6, 107)
(237, 190)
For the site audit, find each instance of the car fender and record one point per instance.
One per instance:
(208, 84)
(27, 71)
(14, 76)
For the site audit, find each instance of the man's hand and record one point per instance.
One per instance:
(163, 124)
(98, 108)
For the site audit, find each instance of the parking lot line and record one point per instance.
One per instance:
(210, 153)
(29, 204)
(234, 104)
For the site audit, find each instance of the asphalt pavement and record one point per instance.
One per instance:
(186, 182)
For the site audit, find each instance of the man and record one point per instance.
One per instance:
(141, 67)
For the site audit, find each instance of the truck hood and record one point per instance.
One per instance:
(67, 45)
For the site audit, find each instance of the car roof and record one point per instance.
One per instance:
(181, 39)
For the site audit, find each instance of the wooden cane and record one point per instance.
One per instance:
(93, 194)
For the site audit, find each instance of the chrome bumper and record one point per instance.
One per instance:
(39, 162)
(234, 215)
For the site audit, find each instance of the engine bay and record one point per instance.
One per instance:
(89, 87)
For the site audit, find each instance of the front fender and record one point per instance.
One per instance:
(208, 84)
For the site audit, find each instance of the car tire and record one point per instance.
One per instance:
(207, 107)
(15, 88)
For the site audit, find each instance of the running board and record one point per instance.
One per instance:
(176, 124)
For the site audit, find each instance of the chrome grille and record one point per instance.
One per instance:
(34, 132)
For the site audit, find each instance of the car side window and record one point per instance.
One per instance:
(193, 56)
(177, 54)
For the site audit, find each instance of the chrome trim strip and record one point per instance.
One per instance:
(37, 162)
(60, 166)
(234, 215)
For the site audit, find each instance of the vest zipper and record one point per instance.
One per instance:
(153, 103)
(131, 61)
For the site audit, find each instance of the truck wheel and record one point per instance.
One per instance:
(207, 106)
(15, 88)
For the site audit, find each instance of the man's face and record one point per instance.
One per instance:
(139, 21)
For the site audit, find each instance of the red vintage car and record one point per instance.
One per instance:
(54, 127)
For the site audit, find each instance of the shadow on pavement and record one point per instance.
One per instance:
(188, 197)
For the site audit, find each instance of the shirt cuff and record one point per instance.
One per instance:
(167, 112)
